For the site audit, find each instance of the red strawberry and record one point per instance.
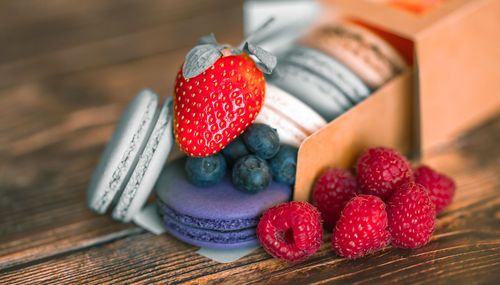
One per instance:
(213, 108)
(218, 93)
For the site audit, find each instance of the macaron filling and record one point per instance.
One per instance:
(329, 69)
(120, 175)
(130, 191)
(121, 154)
(206, 223)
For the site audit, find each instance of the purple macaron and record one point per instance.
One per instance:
(215, 217)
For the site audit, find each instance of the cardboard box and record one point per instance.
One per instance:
(385, 118)
(450, 88)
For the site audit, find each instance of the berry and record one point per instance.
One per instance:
(441, 188)
(334, 188)
(262, 140)
(291, 231)
(284, 164)
(251, 174)
(411, 216)
(234, 150)
(380, 171)
(214, 107)
(362, 228)
(205, 171)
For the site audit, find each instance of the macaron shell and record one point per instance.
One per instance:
(288, 131)
(219, 202)
(121, 154)
(319, 94)
(329, 68)
(207, 224)
(403, 45)
(294, 109)
(370, 57)
(149, 166)
(211, 239)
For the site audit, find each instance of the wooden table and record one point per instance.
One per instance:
(67, 71)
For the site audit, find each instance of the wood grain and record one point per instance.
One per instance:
(56, 122)
(465, 247)
(67, 73)
(57, 38)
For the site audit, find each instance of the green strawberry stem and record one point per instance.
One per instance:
(208, 51)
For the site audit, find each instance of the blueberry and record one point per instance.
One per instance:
(251, 174)
(235, 150)
(205, 171)
(284, 164)
(262, 140)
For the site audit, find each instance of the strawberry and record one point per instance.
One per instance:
(219, 92)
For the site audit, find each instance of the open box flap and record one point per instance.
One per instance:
(403, 23)
(456, 47)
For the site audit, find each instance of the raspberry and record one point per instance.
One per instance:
(411, 216)
(362, 228)
(441, 187)
(334, 188)
(291, 231)
(381, 171)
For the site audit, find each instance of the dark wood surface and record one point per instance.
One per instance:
(67, 71)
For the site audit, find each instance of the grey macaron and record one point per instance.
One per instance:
(133, 159)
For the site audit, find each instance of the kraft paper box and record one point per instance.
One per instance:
(451, 86)
(383, 119)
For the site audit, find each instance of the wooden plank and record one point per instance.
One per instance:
(93, 34)
(56, 25)
(465, 247)
(62, 239)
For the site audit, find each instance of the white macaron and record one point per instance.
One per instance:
(293, 119)
(315, 91)
(134, 157)
(330, 69)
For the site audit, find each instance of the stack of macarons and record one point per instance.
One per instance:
(336, 66)
(216, 201)
(218, 216)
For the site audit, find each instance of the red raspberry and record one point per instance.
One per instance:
(381, 171)
(411, 216)
(362, 228)
(441, 187)
(291, 231)
(334, 188)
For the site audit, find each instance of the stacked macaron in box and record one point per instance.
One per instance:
(334, 67)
